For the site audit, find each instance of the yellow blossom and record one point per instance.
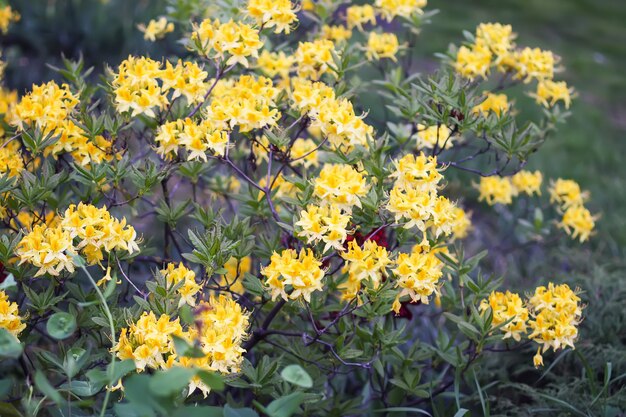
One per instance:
(496, 190)
(473, 62)
(418, 274)
(233, 42)
(507, 308)
(313, 59)
(325, 223)
(335, 33)
(534, 63)
(275, 64)
(357, 16)
(549, 92)
(403, 8)
(277, 14)
(566, 193)
(184, 280)
(527, 182)
(496, 103)
(10, 318)
(383, 45)
(439, 136)
(156, 29)
(578, 222)
(368, 263)
(341, 186)
(301, 273)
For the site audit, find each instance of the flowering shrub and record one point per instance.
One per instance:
(231, 231)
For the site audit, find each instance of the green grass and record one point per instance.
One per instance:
(589, 36)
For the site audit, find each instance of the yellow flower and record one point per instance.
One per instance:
(275, 63)
(335, 33)
(403, 8)
(473, 62)
(555, 313)
(185, 281)
(327, 223)
(233, 40)
(48, 248)
(46, 107)
(9, 316)
(278, 14)
(11, 162)
(431, 136)
(578, 222)
(247, 102)
(302, 272)
(313, 59)
(461, 223)
(566, 193)
(497, 37)
(156, 29)
(357, 16)
(341, 186)
(549, 92)
(7, 15)
(534, 63)
(496, 190)
(527, 182)
(538, 359)
(507, 308)
(496, 103)
(383, 45)
(368, 263)
(418, 274)
(136, 87)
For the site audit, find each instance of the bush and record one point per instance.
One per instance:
(281, 217)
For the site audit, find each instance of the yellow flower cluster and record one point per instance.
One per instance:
(46, 107)
(555, 314)
(417, 275)
(340, 186)
(221, 327)
(233, 40)
(325, 223)
(431, 136)
(11, 162)
(550, 92)
(382, 45)
(196, 138)
(275, 64)
(336, 33)
(247, 102)
(389, 9)
(357, 16)
(507, 308)
(7, 15)
(156, 29)
(335, 118)
(363, 264)
(493, 103)
(301, 273)
(137, 89)
(277, 14)
(184, 280)
(494, 46)
(577, 221)
(148, 341)
(415, 199)
(313, 59)
(501, 190)
(462, 223)
(51, 247)
(9, 316)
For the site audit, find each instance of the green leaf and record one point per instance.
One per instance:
(8, 410)
(61, 325)
(171, 382)
(202, 411)
(10, 347)
(42, 383)
(239, 412)
(285, 406)
(461, 412)
(296, 375)
(185, 349)
(403, 410)
(212, 380)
